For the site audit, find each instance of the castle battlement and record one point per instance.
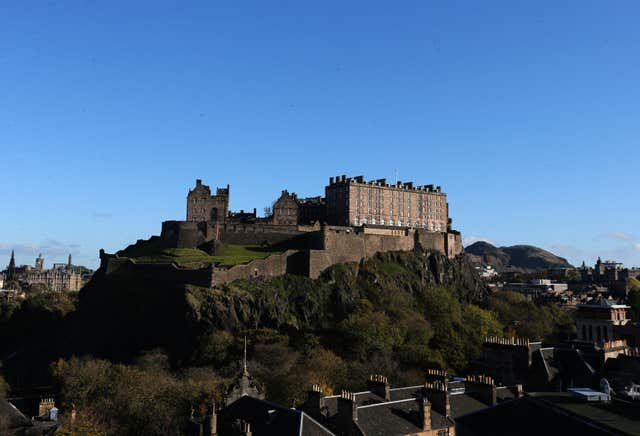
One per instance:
(359, 180)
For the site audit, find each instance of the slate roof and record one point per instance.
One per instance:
(396, 418)
(362, 399)
(11, 417)
(550, 413)
(462, 404)
(14, 422)
(268, 418)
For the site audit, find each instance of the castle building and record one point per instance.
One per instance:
(355, 220)
(352, 201)
(202, 206)
(289, 210)
(285, 210)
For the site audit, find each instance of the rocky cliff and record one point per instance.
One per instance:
(121, 315)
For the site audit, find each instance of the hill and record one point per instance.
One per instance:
(516, 257)
(395, 313)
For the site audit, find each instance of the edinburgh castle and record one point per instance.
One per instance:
(353, 220)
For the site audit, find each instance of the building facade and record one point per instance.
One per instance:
(202, 206)
(352, 201)
(62, 277)
(598, 320)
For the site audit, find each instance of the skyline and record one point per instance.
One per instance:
(526, 115)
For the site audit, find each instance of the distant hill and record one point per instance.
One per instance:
(516, 257)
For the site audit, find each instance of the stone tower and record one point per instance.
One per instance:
(40, 262)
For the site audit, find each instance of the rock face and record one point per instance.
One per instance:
(119, 317)
(516, 257)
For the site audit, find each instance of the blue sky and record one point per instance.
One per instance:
(527, 113)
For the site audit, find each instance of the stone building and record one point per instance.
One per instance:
(597, 320)
(202, 206)
(285, 210)
(354, 201)
(312, 210)
(289, 210)
(62, 277)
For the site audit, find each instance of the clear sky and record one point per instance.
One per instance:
(526, 112)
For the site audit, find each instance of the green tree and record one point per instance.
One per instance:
(633, 299)
(4, 387)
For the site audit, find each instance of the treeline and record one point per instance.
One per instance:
(395, 314)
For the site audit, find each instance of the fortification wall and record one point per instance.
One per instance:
(453, 245)
(431, 240)
(189, 234)
(289, 262)
(165, 273)
(308, 252)
(258, 234)
(183, 234)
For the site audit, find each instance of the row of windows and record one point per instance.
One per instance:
(431, 226)
(601, 333)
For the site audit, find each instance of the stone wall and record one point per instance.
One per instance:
(309, 250)
(167, 273)
(256, 234)
(183, 234)
(344, 244)
(289, 262)
(430, 240)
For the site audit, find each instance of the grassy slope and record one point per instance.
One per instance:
(191, 257)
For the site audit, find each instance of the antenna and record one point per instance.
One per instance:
(395, 171)
(244, 364)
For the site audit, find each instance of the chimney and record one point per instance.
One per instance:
(198, 182)
(331, 180)
(213, 421)
(343, 177)
(379, 385)
(347, 410)
(425, 411)
(519, 391)
(437, 375)
(483, 386)
(437, 394)
(245, 428)
(315, 402)
(45, 405)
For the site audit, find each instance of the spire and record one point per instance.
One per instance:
(69, 261)
(244, 362)
(11, 273)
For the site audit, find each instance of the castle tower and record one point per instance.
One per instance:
(40, 262)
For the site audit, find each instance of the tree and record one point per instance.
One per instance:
(633, 299)
(4, 387)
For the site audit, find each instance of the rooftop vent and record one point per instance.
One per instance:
(588, 395)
